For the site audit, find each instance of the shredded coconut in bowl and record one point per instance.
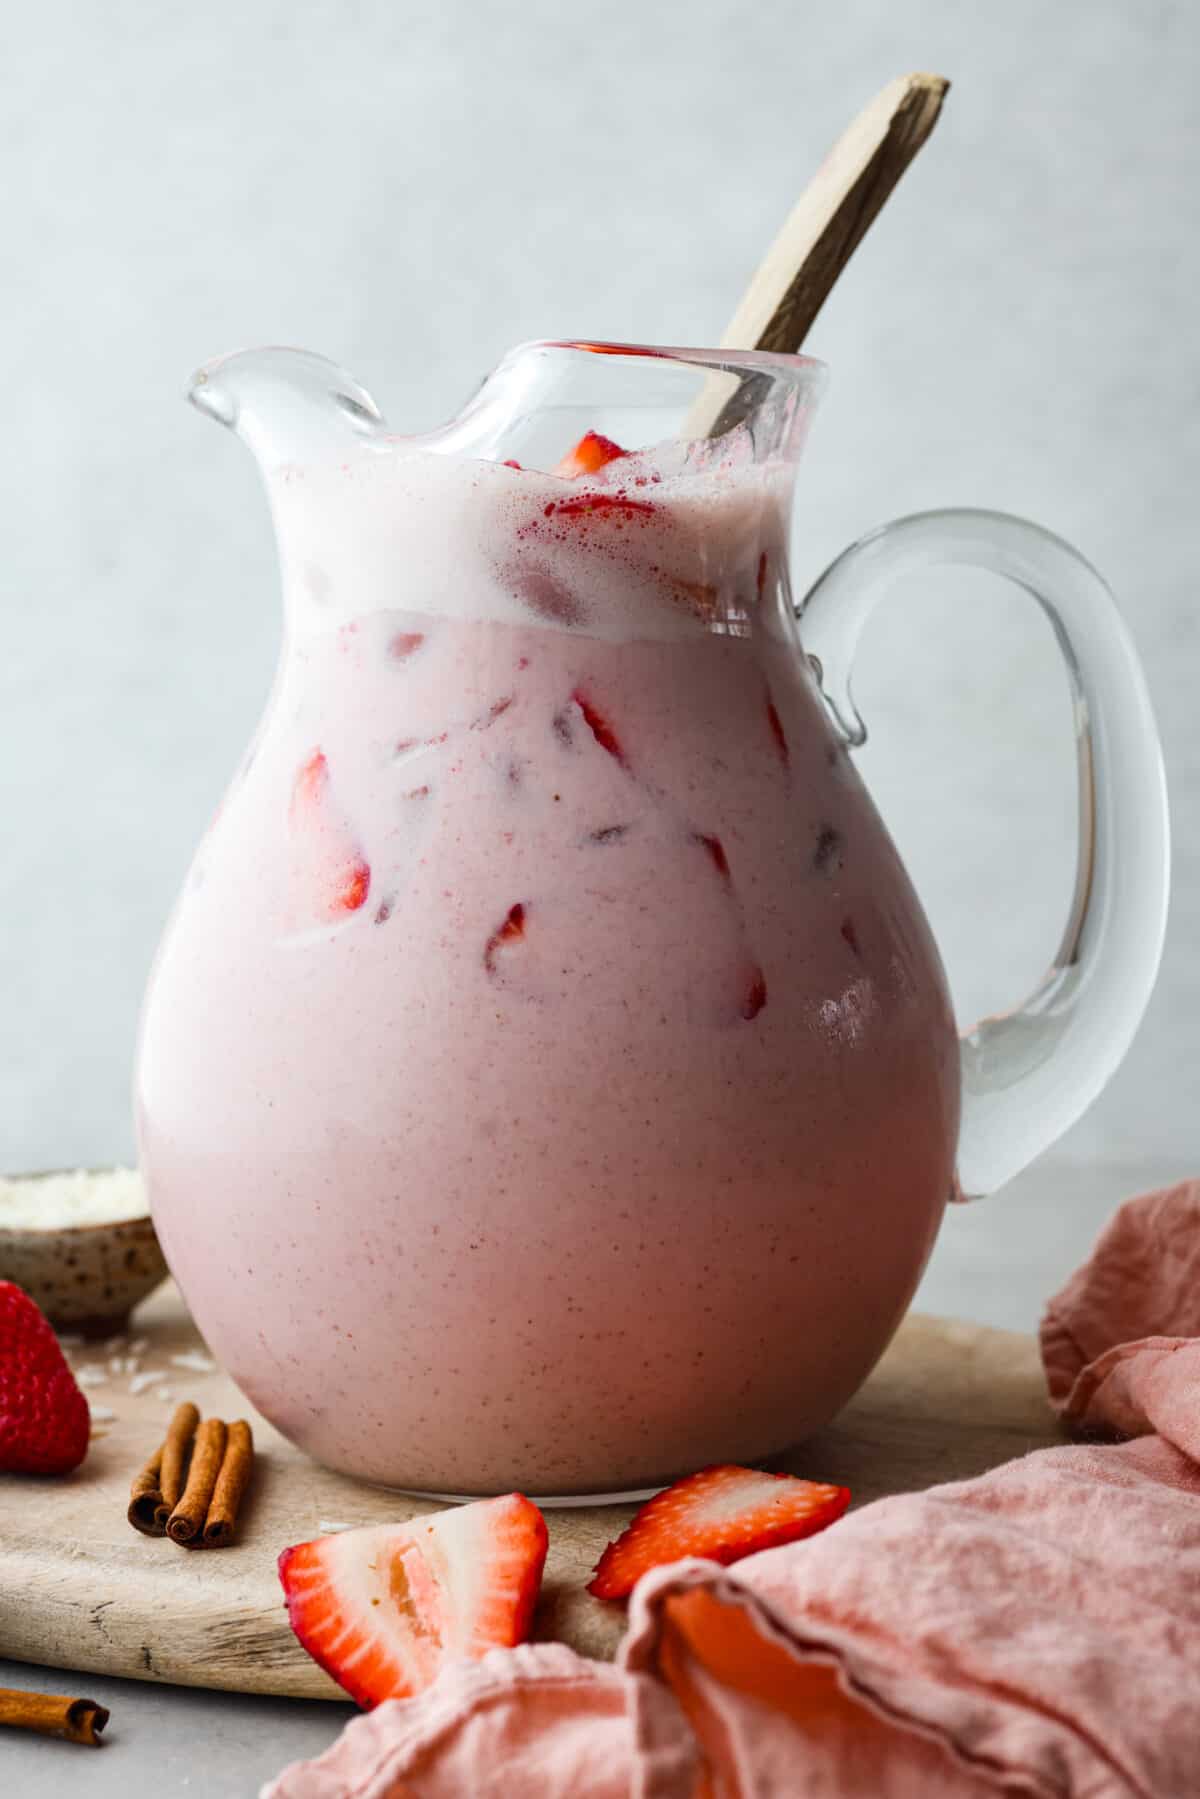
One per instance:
(51, 1202)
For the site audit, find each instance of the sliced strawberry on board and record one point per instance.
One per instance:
(592, 453)
(383, 1608)
(44, 1418)
(722, 1513)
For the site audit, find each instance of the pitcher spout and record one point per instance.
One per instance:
(286, 405)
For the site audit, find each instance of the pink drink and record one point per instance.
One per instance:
(548, 1079)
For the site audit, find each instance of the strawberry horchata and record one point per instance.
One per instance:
(547, 1045)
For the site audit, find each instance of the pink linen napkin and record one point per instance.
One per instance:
(1034, 1632)
(1121, 1342)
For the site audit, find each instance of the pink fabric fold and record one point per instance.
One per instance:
(1033, 1632)
(1121, 1342)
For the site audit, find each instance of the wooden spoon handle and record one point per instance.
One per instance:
(833, 215)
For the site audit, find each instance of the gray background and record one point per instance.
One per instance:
(411, 189)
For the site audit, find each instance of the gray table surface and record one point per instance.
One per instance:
(995, 1262)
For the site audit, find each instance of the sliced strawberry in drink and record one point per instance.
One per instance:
(496, 710)
(590, 507)
(722, 1513)
(599, 726)
(334, 870)
(777, 732)
(382, 1609)
(715, 850)
(755, 996)
(592, 452)
(510, 932)
(310, 786)
(351, 890)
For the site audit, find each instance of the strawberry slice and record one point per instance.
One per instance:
(722, 1513)
(756, 993)
(383, 1608)
(335, 873)
(591, 453)
(599, 726)
(510, 932)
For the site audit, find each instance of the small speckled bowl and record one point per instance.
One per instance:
(87, 1278)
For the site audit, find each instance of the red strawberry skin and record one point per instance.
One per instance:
(383, 1609)
(722, 1514)
(44, 1418)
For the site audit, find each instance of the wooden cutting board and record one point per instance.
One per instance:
(80, 1589)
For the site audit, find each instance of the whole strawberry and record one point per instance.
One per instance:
(44, 1418)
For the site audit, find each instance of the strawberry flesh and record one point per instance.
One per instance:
(383, 1609)
(591, 453)
(777, 732)
(599, 727)
(510, 932)
(722, 1514)
(497, 710)
(44, 1418)
(756, 994)
(716, 852)
(338, 874)
(352, 891)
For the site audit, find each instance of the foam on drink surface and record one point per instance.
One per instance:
(656, 544)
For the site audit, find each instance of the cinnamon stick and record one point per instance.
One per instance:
(53, 1715)
(232, 1481)
(208, 1452)
(145, 1497)
(180, 1432)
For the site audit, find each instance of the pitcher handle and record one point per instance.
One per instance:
(1030, 1073)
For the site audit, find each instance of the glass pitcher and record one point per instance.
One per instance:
(548, 1078)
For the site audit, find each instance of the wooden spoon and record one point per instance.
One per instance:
(825, 227)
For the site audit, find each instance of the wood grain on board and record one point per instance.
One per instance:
(80, 1589)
